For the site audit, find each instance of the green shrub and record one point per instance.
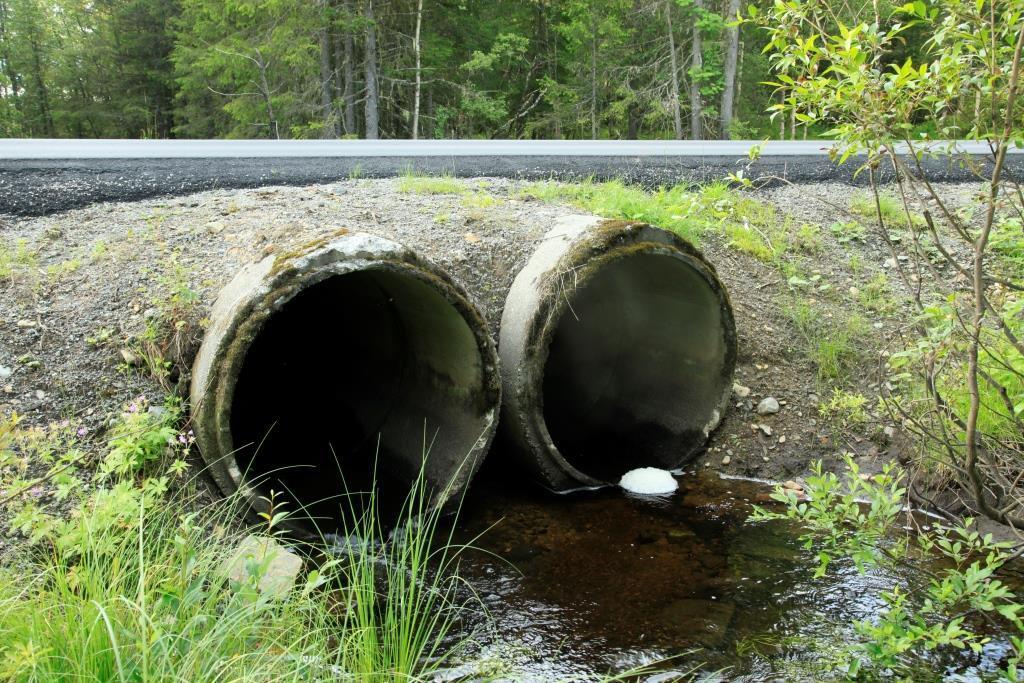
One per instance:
(863, 518)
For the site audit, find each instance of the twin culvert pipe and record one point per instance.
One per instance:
(354, 360)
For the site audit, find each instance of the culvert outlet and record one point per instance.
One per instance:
(349, 360)
(618, 347)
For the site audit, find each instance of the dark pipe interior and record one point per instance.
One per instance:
(352, 375)
(635, 367)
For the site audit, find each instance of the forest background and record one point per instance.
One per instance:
(536, 69)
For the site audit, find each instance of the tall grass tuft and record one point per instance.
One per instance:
(135, 586)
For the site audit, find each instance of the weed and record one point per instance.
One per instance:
(807, 239)
(876, 295)
(419, 184)
(442, 218)
(850, 231)
(844, 409)
(480, 200)
(56, 271)
(173, 328)
(748, 239)
(356, 173)
(17, 260)
(856, 263)
(831, 344)
(99, 250)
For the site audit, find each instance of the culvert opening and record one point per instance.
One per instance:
(636, 367)
(352, 379)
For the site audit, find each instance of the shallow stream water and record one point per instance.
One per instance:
(598, 582)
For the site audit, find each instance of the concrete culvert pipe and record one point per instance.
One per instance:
(618, 347)
(351, 356)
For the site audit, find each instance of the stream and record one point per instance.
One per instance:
(594, 583)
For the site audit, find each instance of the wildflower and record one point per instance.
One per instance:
(82, 431)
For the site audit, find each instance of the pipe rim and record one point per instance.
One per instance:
(287, 277)
(602, 246)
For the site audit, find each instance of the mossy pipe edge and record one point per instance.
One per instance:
(618, 347)
(459, 379)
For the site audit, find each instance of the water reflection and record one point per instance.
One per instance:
(600, 582)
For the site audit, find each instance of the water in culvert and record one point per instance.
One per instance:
(598, 582)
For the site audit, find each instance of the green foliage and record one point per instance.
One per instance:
(289, 68)
(862, 518)
(844, 408)
(832, 344)
(136, 583)
(17, 261)
(421, 184)
(684, 210)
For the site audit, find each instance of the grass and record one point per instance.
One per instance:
(15, 259)
(411, 183)
(833, 344)
(683, 209)
(890, 206)
(134, 585)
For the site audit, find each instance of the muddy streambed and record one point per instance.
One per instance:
(582, 585)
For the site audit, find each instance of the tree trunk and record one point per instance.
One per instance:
(696, 63)
(732, 49)
(593, 77)
(419, 74)
(264, 86)
(330, 125)
(348, 95)
(370, 110)
(677, 115)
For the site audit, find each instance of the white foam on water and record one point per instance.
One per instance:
(649, 481)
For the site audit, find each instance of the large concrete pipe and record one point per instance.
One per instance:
(618, 347)
(348, 357)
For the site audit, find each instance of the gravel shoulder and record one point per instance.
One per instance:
(98, 272)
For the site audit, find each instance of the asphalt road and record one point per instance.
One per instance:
(44, 176)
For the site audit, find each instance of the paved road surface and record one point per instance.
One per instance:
(43, 176)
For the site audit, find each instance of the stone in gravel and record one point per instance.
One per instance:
(26, 323)
(5, 372)
(281, 568)
(768, 406)
(130, 357)
(740, 390)
(726, 460)
(764, 429)
(40, 394)
(214, 227)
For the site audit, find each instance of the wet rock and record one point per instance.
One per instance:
(768, 406)
(277, 568)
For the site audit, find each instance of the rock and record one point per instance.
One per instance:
(281, 567)
(5, 372)
(26, 323)
(764, 429)
(782, 439)
(726, 460)
(649, 481)
(40, 394)
(131, 358)
(768, 406)
(214, 227)
(150, 313)
(792, 485)
(740, 390)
